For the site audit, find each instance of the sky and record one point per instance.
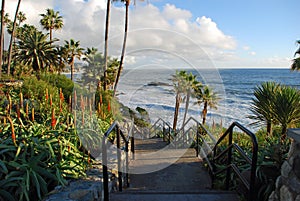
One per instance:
(181, 33)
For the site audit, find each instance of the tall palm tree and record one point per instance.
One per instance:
(179, 80)
(51, 21)
(107, 21)
(12, 37)
(208, 97)
(73, 50)
(262, 105)
(61, 58)
(190, 84)
(127, 2)
(21, 17)
(2, 36)
(6, 23)
(296, 61)
(23, 31)
(93, 71)
(287, 108)
(35, 50)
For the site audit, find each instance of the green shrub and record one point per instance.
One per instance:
(35, 89)
(61, 82)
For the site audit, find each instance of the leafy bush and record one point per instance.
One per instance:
(60, 82)
(35, 89)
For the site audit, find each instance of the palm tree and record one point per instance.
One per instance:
(51, 20)
(127, 2)
(21, 17)
(287, 108)
(190, 84)
(296, 61)
(262, 105)
(107, 21)
(93, 72)
(208, 97)
(73, 50)
(34, 49)
(179, 80)
(2, 36)
(25, 30)
(61, 58)
(12, 37)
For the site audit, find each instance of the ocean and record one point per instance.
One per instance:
(152, 89)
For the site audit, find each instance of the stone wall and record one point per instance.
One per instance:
(85, 189)
(288, 184)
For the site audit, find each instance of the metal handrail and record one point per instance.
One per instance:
(200, 134)
(230, 165)
(115, 127)
(167, 134)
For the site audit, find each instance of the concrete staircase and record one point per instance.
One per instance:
(175, 196)
(161, 173)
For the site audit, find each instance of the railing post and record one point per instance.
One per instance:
(169, 135)
(104, 167)
(253, 171)
(229, 158)
(119, 158)
(127, 165)
(197, 140)
(132, 146)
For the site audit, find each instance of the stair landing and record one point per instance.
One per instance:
(160, 172)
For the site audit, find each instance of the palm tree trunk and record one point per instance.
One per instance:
(12, 39)
(186, 107)
(283, 133)
(72, 69)
(106, 44)
(123, 48)
(269, 128)
(2, 36)
(50, 34)
(176, 111)
(204, 113)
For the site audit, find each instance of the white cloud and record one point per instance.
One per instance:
(169, 34)
(172, 13)
(246, 48)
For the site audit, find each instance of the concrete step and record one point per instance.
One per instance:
(174, 196)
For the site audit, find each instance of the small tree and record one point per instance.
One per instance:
(208, 97)
(262, 105)
(296, 61)
(179, 80)
(51, 21)
(190, 85)
(35, 50)
(73, 50)
(287, 108)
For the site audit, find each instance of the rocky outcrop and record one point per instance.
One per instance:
(288, 183)
(85, 189)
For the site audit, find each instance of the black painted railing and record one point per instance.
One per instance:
(206, 145)
(201, 134)
(120, 137)
(230, 164)
(165, 127)
(207, 148)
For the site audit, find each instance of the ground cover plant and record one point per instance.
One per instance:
(40, 146)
